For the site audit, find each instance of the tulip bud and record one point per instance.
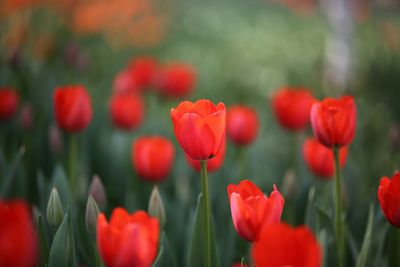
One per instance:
(156, 207)
(96, 189)
(54, 211)
(91, 213)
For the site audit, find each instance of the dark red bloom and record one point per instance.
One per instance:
(176, 79)
(18, 245)
(242, 124)
(281, 245)
(128, 239)
(334, 121)
(389, 198)
(9, 101)
(212, 164)
(199, 127)
(292, 107)
(319, 158)
(73, 108)
(126, 110)
(153, 157)
(252, 210)
(138, 75)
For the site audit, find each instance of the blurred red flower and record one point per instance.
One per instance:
(199, 127)
(292, 107)
(176, 79)
(138, 75)
(9, 101)
(212, 164)
(242, 124)
(334, 121)
(18, 239)
(73, 108)
(252, 210)
(26, 116)
(281, 245)
(126, 110)
(128, 239)
(319, 159)
(389, 198)
(153, 157)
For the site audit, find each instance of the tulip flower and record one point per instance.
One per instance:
(281, 245)
(9, 101)
(292, 107)
(389, 198)
(73, 108)
(128, 239)
(138, 75)
(242, 124)
(126, 110)
(18, 239)
(199, 128)
(319, 159)
(334, 121)
(212, 164)
(176, 79)
(252, 210)
(152, 157)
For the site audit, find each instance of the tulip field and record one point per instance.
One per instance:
(146, 133)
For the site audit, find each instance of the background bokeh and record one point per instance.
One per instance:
(242, 52)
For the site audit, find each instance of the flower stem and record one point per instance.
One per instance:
(73, 150)
(207, 212)
(339, 227)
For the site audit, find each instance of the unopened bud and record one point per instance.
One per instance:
(289, 183)
(54, 210)
(156, 207)
(98, 192)
(92, 211)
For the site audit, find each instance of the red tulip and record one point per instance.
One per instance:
(153, 157)
(73, 108)
(252, 210)
(176, 79)
(389, 198)
(281, 245)
(18, 245)
(126, 110)
(334, 121)
(138, 75)
(199, 128)
(292, 108)
(8, 103)
(319, 158)
(127, 240)
(242, 124)
(212, 164)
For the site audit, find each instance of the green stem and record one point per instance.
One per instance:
(207, 213)
(73, 150)
(338, 207)
(96, 256)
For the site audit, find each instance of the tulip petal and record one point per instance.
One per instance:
(195, 137)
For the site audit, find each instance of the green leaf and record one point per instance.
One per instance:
(10, 175)
(324, 221)
(363, 256)
(166, 257)
(59, 181)
(43, 243)
(309, 208)
(62, 252)
(196, 252)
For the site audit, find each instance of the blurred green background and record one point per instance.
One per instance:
(243, 50)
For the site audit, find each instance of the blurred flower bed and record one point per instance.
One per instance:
(86, 92)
